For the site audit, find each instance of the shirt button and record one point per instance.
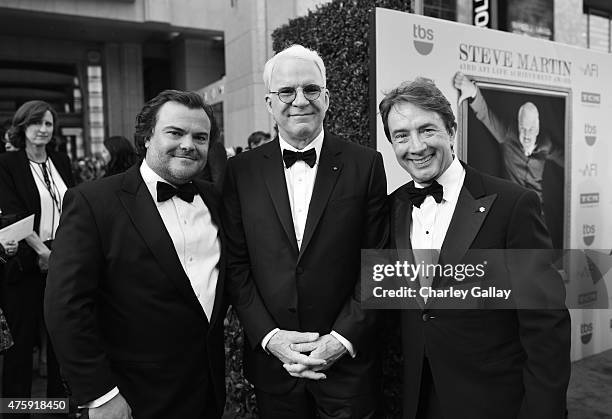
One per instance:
(190, 259)
(184, 221)
(427, 232)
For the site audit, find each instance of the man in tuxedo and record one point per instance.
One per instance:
(298, 210)
(134, 299)
(476, 364)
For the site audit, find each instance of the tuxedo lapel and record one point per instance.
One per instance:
(206, 192)
(328, 171)
(274, 177)
(471, 210)
(402, 222)
(141, 209)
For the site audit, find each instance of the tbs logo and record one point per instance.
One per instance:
(588, 234)
(423, 39)
(586, 332)
(590, 134)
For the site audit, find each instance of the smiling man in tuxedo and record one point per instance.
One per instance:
(134, 300)
(298, 210)
(472, 364)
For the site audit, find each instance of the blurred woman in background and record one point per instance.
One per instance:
(33, 180)
(118, 154)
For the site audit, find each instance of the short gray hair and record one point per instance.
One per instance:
(294, 51)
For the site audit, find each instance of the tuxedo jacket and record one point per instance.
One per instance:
(485, 363)
(120, 309)
(272, 283)
(19, 196)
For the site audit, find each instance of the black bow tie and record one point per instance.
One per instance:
(418, 195)
(166, 191)
(290, 157)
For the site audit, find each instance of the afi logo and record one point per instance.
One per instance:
(591, 70)
(421, 37)
(588, 234)
(586, 332)
(590, 134)
(590, 169)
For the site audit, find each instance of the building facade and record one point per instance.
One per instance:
(97, 62)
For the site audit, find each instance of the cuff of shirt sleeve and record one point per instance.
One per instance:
(101, 400)
(348, 345)
(266, 339)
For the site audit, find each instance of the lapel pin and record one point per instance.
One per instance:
(481, 209)
(335, 168)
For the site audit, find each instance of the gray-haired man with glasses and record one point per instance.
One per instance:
(298, 210)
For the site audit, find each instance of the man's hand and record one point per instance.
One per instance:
(43, 262)
(467, 89)
(327, 347)
(10, 247)
(280, 345)
(115, 408)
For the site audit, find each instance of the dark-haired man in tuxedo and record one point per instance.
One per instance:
(134, 300)
(468, 364)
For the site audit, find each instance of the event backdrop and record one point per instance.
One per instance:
(572, 88)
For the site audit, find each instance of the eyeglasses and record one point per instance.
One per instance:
(288, 94)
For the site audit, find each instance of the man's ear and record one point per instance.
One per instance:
(268, 100)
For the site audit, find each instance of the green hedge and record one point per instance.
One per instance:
(339, 31)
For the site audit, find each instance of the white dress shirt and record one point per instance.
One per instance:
(50, 209)
(194, 236)
(196, 242)
(430, 221)
(300, 180)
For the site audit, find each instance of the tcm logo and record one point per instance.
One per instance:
(423, 39)
(589, 170)
(588, 233)
(587, 298)
(592, 98)
(586, 332)
(590, 134)
(589, 199)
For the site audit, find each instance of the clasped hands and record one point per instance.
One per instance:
(305, 354)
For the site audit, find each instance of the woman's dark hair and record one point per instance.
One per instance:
(29, 113)
(122, 155)
(147, 117)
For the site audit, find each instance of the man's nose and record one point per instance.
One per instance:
(415, 145)
(187, 142)
(300, 99)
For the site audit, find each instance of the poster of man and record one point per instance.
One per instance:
(518, 133)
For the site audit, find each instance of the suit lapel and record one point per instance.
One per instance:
(328, 171)
(141, 209)
(274, 176)
(31, 194)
